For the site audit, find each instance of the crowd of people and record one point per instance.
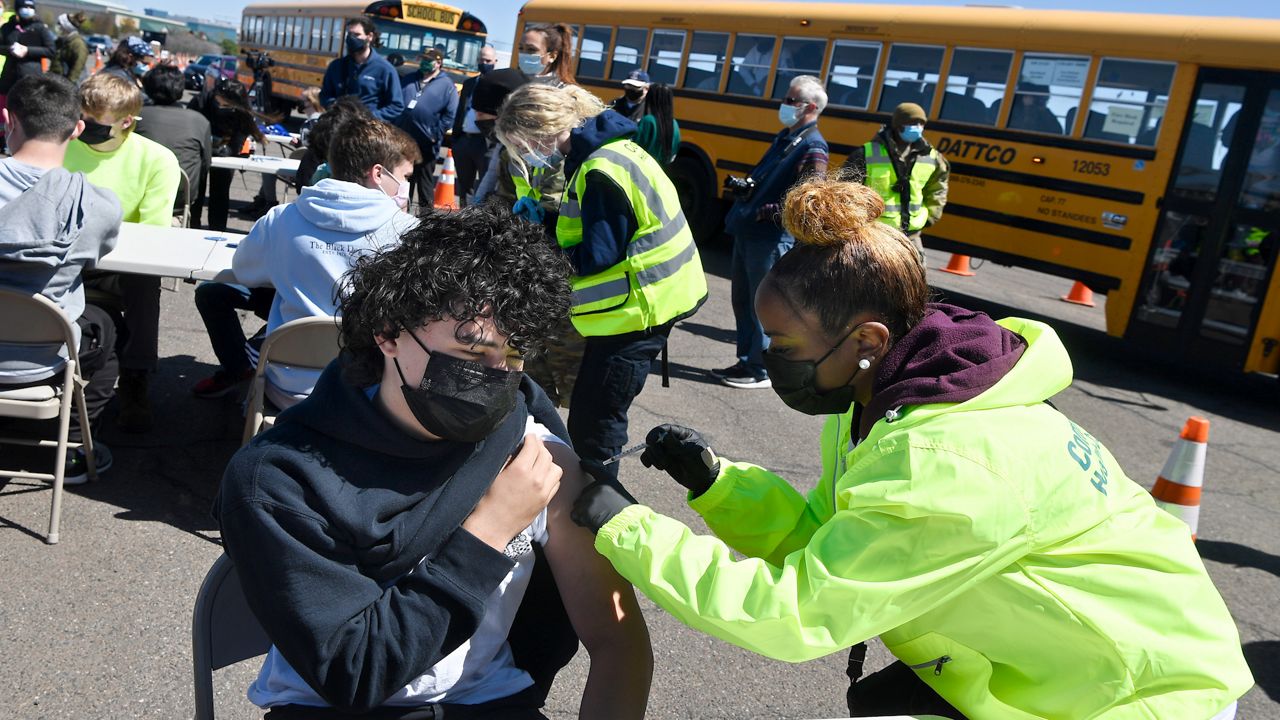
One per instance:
(421, 535)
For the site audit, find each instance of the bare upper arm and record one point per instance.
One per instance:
(601, 604)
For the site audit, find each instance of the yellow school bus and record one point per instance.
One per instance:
(1138, 154)
(302, 38)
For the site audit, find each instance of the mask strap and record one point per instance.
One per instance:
(837, 345)
(403, 381)
(399, 371)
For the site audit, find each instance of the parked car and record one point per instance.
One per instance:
(100, 42)
(217, 66)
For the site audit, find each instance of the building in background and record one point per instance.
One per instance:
(212, 30)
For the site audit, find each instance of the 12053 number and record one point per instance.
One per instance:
(1090, 167)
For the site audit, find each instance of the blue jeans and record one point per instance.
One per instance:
(753, 257)
(218, 303)
(612, 374)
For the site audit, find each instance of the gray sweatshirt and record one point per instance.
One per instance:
(53, 223)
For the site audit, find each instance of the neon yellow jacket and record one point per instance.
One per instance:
(993, 544)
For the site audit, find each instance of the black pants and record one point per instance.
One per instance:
(612, 374)
(471, 156)
(134, 300)
(895, 690)
(98, 366)
(521, 706)
(219, 197)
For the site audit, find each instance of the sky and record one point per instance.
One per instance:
(500, 15)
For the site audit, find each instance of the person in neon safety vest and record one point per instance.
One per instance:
(994, 545)
(636, 270)
(910, 176)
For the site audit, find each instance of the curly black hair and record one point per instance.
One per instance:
(477, 262)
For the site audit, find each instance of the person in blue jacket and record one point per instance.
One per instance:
(430, 105)
(363, 72)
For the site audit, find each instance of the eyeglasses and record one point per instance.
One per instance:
(794, 101)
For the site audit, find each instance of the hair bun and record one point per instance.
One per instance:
(826, 212)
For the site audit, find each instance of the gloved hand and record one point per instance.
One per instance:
(684, 455)
(529, 209)
(600, 501)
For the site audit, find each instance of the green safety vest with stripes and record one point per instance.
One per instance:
(660, 279)
(882, 178)
(530, 187)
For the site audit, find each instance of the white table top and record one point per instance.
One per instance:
(290, 139)
(217, 266)
(165, 251)
(266, 164)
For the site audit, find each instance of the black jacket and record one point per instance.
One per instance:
(326, 515)
(40, 44)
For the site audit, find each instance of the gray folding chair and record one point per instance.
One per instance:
(223, 631)
(36, 321)
(308, 343)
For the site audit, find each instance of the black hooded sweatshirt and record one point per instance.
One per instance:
(326, 517)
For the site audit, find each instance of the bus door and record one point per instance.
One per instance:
(1216, 243)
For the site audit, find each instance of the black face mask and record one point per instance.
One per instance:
(633, 95)
(356, 45)
(95, 133)
(793, 381)
(460, 399)
(486, 67)
(487, 127)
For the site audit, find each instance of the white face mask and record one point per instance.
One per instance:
(531, 64)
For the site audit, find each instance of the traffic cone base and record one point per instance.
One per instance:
(958, 265)
(1080, 294)
(1178, 488)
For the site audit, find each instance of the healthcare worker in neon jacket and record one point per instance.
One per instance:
(995, 546)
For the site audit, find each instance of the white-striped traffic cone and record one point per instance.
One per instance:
(441, 154)
(1177, 490)
(445, 198)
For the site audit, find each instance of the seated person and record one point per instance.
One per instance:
(312, 168)
(301, 250)
(145, 176)
(53, 223)
(185, 132)
(385, 529)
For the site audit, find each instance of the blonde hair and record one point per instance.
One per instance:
(841, 243)
(311, 96)
(535, 110)
(105, 95)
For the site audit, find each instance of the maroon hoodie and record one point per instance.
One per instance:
(952, 355)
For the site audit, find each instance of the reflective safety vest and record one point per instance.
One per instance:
(660, 279)
(882, 178)
(530, 187)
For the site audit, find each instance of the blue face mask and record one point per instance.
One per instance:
(535, 159)
(26, 13)
(140, 69)
(912, 133)
(531, 64)
(788, 115)
(486, 67)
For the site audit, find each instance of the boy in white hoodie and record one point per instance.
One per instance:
(304, 248)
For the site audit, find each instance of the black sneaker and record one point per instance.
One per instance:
(135, 405)
(744, 378)
(76, 471)
(733, 369)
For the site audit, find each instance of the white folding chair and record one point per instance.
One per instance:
(306, 343)
(36, 321)
(223, 631)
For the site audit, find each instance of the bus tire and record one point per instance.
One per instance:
(695, 183)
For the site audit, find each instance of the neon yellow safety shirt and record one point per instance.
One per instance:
(882, 178)
(993, 545)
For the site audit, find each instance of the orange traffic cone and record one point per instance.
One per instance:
(1080, 294)
(445, 199)
(958, 265)
(1177, 490)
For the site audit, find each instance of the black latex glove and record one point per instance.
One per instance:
(600, 501)
(684, 455)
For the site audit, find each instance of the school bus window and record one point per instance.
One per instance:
(1129, 99)
(912, 76)
(752, 58)
(975, 85)
(706, 61)
(595, 41)
(317, 35)
(852, 73)
(1048, 93)
(627, 52)
(1262, 176)
(799, 56)
(1208, 136)
(291, 33)
(664, 56)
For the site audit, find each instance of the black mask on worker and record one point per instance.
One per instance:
(356, 45)
(460, 399)
(793, 381)
(95, 133)
(486, 67)
(487, 127)
(633, 96)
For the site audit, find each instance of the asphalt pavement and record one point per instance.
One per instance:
(99, 625)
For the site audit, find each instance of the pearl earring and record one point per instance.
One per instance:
(864, 363)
